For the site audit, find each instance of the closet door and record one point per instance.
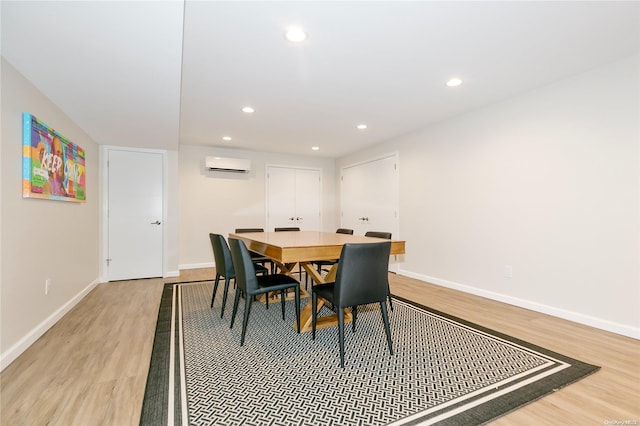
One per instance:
(307, 205)
(281, 197)
(293, 198)
(369, 197)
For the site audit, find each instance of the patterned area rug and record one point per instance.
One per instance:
(444, 370)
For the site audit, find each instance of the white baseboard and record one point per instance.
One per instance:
(170, 274)
(589, 320)
(197, 265)
(10, 355)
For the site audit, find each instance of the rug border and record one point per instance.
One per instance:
(526, 395)
(155, 411)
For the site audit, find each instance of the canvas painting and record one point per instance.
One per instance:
(53, 166)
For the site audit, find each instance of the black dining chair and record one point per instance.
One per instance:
(386, 236)
(247, 230)
(224, 267)
(361, 279)
(257, 257)
(376, 234)
(251, 284)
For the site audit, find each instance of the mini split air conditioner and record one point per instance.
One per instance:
(239, 165)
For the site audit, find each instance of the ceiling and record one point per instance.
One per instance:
(157, 74)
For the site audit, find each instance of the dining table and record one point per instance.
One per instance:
(288, 250)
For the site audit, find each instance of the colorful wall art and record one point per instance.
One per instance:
(53, 167)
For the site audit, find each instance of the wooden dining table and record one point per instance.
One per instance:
(292, 249)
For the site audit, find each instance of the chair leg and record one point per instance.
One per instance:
(298, 308)
(215, 289)
(341, 335)
(282, 302)
(224, 295)
(354, 315)
(235, 306)
(314, 314)
(389, 297)
(385, 318)
(245, 321)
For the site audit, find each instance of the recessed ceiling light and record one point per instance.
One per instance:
(295, 34)
(247, 109)
(226, 138)
(454, 82)
(362, 126)
(315, 148)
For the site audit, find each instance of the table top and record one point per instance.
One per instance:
(301, 246)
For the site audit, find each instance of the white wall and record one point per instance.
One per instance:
(548, 183)
(219, 202)
(41, 239)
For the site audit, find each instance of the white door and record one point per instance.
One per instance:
(369, 197)
(293, 198)
(135, 222)
(308, 199)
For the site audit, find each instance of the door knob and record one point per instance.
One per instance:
(157, 222)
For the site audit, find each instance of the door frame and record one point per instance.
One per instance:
(103, 184)
(266, 190)
(394, 266)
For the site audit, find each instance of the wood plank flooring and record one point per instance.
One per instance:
(91, 367)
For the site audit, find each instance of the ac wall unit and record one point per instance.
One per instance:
(223, 164)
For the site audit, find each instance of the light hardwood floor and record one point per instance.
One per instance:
(91, 367)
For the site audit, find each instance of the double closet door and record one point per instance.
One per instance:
(294, 198)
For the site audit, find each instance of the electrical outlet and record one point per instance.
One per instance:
(508, 271)
(47, 285)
